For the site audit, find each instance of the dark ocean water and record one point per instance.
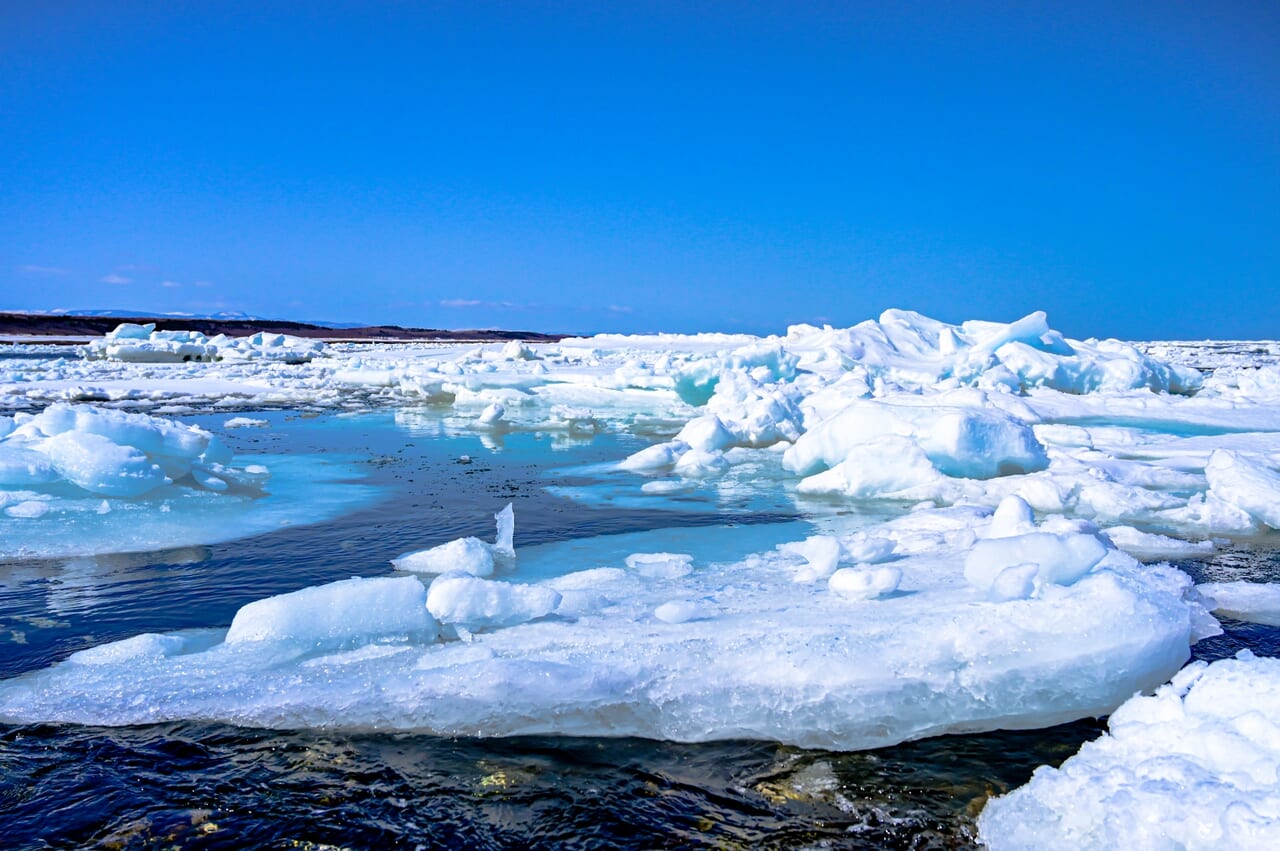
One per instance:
(218, 786)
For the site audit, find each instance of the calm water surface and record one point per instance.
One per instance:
(217, 786)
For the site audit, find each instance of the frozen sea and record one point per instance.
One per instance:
(368, 462)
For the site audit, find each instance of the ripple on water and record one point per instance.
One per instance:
(213, 786)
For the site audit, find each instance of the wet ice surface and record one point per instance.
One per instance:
(809, 518)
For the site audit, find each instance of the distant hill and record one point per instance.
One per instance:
(78, 325)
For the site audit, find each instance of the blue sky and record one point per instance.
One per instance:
(657, 166)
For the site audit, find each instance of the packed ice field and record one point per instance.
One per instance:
(991, 509)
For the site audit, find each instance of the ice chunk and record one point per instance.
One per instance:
(504, 541)
(24, 467)
(661, 565)
(1059, 559)
(867, 549)
(659, 458)
(680, 611)
(1246, 484)
(478, 604)
(964, 442)
(821, 554)
(831, 674)
(517, 350)
(468, 555)
(339, 613)
(1147, 546)
(1013, 516)
(1017, 582)
(1256, 602)
(1192, 767)
(149, 645)
(28, 509)
(245, 422)
(99, 466)
(699, 464)
(886, 467)
(864, 584)
(707, 433)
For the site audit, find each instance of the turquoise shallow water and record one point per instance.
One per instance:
(218, 786)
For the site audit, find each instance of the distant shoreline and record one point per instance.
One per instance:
(74, 329)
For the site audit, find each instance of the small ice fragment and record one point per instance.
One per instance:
(679, 611)
(148, 645)
(655, 459)
(476, 604)
(29, 510)
(1012, 517)
(855, 583)
(245, 422)
(661, 565)
(821, 554)
(468, 555)
(1017, 582)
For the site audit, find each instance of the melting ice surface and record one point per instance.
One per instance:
(985, 510)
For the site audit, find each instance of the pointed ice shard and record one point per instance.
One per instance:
(504, 544)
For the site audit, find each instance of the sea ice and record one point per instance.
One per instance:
(1193, 766)
(590, 648)
(144, 344)
(945, 618)
(81, 480)
(1256, 602)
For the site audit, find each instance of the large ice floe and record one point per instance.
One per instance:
(984, 514)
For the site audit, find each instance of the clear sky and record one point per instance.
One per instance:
(647, 166)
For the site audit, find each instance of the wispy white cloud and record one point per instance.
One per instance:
(460, 302)
(33, 269)
(170, 284)
(204, 283)
(116, 279)
(620, 308)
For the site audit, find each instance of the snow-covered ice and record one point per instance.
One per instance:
(1193, 766)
